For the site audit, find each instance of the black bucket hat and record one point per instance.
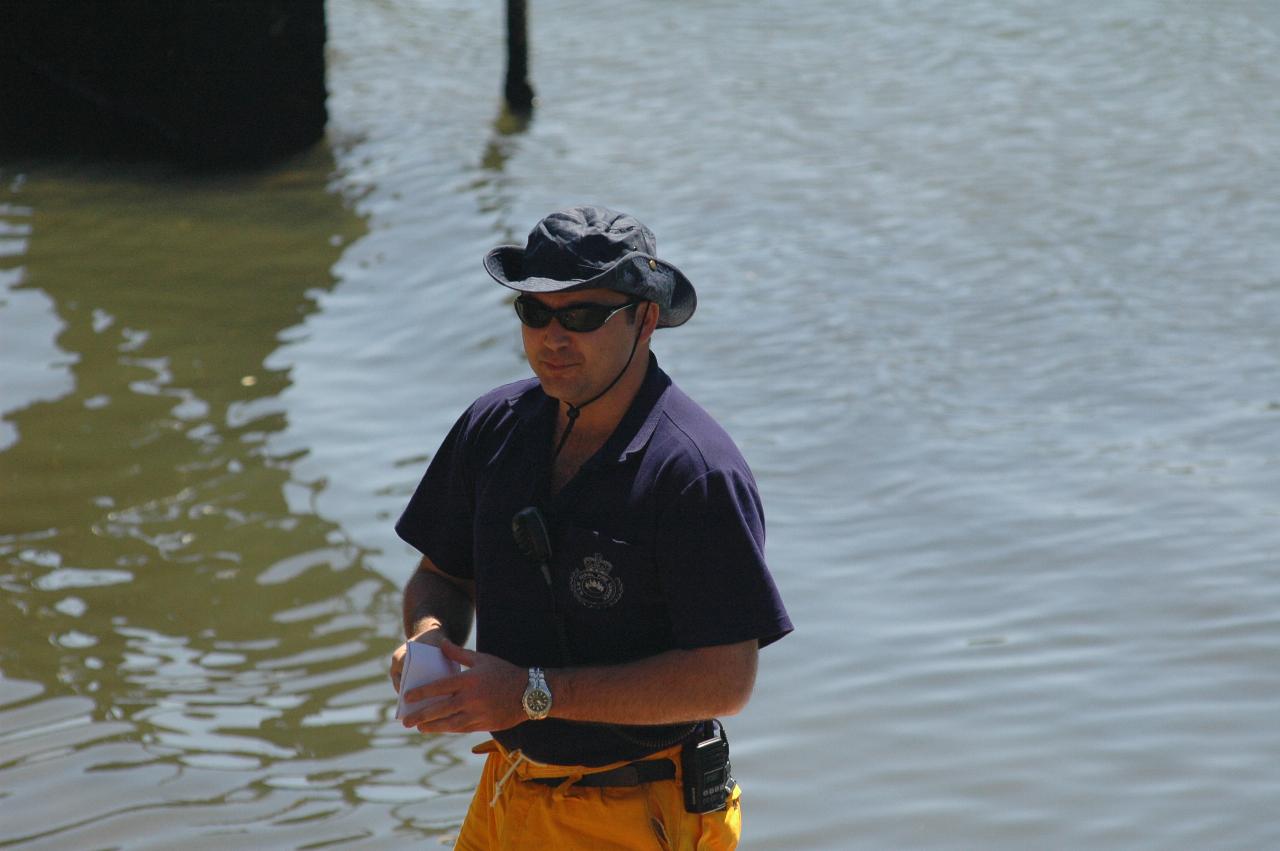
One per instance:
(588, 247)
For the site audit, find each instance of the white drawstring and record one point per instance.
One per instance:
(497, 792)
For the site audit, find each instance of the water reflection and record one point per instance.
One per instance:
(493, 188)
(176, 637)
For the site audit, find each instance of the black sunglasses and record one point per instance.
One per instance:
(583, 317)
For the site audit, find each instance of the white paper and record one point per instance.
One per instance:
(423, 663)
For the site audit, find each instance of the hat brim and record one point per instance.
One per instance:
(504, 264)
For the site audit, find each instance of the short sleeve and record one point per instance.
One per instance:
(710, 557)
(438, 519)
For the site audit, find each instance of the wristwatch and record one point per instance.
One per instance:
(537, 696)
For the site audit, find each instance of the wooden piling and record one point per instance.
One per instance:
(518, 91)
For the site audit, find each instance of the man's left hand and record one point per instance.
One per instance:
(485, 696)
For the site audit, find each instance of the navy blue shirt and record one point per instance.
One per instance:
(657, 544)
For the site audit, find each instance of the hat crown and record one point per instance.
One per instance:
(583, 240)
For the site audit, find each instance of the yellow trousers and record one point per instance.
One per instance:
(509, 813)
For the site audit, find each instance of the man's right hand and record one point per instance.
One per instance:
(432, 635)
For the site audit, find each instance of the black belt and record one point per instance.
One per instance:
(628, 775)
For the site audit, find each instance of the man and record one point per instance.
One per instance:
(608, 538)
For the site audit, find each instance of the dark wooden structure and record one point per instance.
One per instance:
(208, 82)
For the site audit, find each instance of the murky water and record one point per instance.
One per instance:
(989, 297)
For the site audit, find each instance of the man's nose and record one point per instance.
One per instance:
(554, 336)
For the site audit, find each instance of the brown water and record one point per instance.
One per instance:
(989, 295)
(184, 655)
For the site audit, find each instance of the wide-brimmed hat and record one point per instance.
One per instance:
(588, 247)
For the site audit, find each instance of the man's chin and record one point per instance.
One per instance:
(559, 388)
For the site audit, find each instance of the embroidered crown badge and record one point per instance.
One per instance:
(594, 584)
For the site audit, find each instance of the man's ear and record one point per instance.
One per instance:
(649, 319)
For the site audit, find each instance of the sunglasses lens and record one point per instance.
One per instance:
(587, 317)
(532, 313)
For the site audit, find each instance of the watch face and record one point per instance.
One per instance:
(537, 701)
(537, 697)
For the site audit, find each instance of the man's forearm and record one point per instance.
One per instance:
(433, 600)
(669, 688)
(676, 686)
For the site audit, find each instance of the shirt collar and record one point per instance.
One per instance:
(640, 420)
(528, 402)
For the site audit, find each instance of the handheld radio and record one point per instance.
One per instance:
(532, 538)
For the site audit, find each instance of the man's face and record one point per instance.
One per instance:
(575, 366)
